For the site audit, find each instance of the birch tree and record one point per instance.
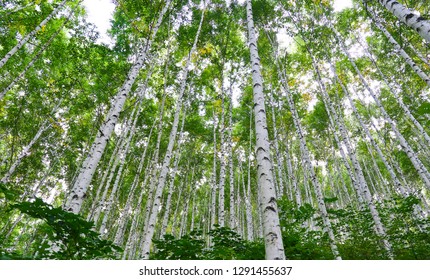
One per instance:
(271, 228)
(79, 189)
(409, 17)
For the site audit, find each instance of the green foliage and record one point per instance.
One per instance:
(407, 231)
(304, 239)
(189, 247)
(225, 245)
(72, 85)
(63, 235)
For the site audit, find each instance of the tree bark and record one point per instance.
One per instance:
(409, 17)
(271, 227)
(79, 189)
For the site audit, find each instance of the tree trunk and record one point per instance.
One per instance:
(27, 37)
(409, 17)
(401, 51)
(167, 157)
(271, 227)
(79, 189)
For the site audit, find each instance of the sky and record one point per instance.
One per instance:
(100, 13)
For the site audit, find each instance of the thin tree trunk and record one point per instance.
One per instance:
(400, 50)
(27, 37)
(398, 184)
(121, 227)
(39, 53)
(223, 166)
(422, 171)
(25, 152)
(398, 97)
(214, 184)
(232, 223)
(172, 180)
(79, 189)
(167, 158)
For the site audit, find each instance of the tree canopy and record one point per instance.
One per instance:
(215, 129)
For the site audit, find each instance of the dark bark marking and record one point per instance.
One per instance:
(260, 148)
(409, 16)
(270, 208)
(266, 158)
(394, 3)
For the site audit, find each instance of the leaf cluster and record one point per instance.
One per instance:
(62, 235)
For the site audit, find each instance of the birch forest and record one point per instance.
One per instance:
(216, 130)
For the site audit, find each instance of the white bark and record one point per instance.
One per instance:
(121, 227)
(39, 53)
(422, 171)
(271, 227)
(380, 229)
(401, 51)
(393, 175)
(214, 177)
(399, 98)
(232, 223)
(223, 166)
(123, 156)
(309, 168)
(276, 146)
(132, 238)
(172, 180)
(27, 37)
(79, 189)
(167, 158)
(25, 152)
(248, 206)
(409, 17)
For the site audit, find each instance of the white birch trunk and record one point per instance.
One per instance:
(214, 177)
(307, 161)
(422, 171)
(271, 227)
(25, 152)
(172, 180)
(132, 236)
(167, 158)
(276, 146)
(232, 223)
(121, 227)
(39, 53)
(401, 51)
(176, 214)
(393, 175)
(123, 156)
(409, 17)
(398, 97)
(79, 189)
(30, 35)
(247, 193)
(223, 164)
(380, 229)
(94, 213)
